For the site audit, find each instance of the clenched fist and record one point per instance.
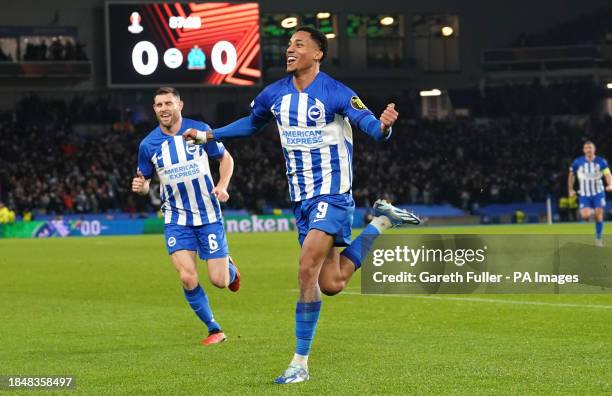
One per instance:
(194, 136)
(221, 193)
(139, 184)
(388, 118)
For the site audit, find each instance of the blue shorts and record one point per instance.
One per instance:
(594, 201)
(208, 239)
(332, 214)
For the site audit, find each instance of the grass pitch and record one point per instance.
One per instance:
(111, 312)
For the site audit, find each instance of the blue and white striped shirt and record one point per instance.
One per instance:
(315, 133)
(185, 180)
(589, 175)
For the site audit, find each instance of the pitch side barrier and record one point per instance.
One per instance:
(102, 227)
(235, 221)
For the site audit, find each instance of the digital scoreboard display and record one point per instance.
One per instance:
(182, 44)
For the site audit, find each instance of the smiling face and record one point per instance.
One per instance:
(302, 53)
(167, 109)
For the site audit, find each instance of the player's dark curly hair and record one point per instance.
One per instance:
(318, 38)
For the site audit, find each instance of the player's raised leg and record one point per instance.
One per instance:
(335, 273)
(599, 204)
(315, 249)
(340, 267)
(212, 247)
(599, 216)
(185, 263)
(234, 275)
(222, 273)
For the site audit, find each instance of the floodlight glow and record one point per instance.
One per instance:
(433, 92)
(386, 21)
(447, 31)
(289, 22)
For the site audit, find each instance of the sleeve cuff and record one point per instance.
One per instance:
(219, 155)
(388, 135)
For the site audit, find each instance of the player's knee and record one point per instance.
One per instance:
(219, 280)
(307, 274)
(330, 286)
(329, 292)
(189, 279)
(332, 289)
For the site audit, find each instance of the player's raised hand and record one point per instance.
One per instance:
(572, 193)
(388, 117)
(221, 193)
(138, 183)
(193, 136)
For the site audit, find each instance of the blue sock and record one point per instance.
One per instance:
(199, 303)
(598, 229)
(360, 247)
(306, 317)
(232, 271)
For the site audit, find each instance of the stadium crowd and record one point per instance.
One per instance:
(56, 50)
(535, 99)
(590, 28)
(47, 167)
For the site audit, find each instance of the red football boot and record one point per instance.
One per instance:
(235, 285)
(214, 338)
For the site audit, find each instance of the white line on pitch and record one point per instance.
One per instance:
(475, 299)
(488, 300)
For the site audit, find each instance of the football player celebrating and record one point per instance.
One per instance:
(192, 215)
(590, 169)
(312, 111)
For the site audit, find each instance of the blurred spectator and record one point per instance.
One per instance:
(589, 28)
(60, 49)
(47, 167)
(4, 57)
(27, 215)
(56, 49)
(577, 97)
(7, 216)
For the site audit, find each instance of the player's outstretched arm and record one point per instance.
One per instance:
(140, 185)
(571, 179)
(195, 136)
(243, 127)
(226, 170)
(379, 129)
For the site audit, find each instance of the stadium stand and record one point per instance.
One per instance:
(589, 28)
(468, 163)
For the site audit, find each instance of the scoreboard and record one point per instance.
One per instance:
(182, 44)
